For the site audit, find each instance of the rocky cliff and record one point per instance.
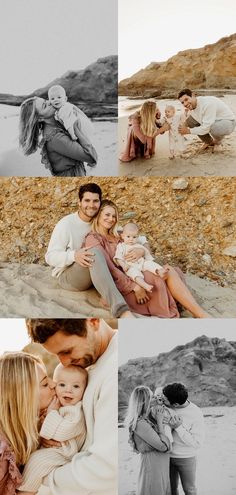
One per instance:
(206, 366)
(210, 67)
(190, 222)
(94, 89)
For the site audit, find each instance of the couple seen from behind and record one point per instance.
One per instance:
(166, 429)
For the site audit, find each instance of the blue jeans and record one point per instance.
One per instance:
(185, 469)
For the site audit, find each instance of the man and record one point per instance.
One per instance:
(209, 117)
(188, 436)
(87, 343)
(78, 268)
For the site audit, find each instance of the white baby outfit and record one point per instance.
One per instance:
(67, 425)
(68, 114)
(136, 268)
(176, 140)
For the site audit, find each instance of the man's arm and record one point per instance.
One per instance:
(58, 253)
(208, 118)
(192, 436)
(94, 470)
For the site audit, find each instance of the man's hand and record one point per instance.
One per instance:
(49, 443)
(141, 295)
(175, 421)
(134, 254)
(54, 405)
(83, 258)
(183, 130)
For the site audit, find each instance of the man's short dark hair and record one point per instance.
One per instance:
(90, 187)
(176, 393)
(185, 91)
(40, 329)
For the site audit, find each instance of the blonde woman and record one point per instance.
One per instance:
(147, 438)
(25, 392)
(167, 288)
(143, 129)
(60, 154)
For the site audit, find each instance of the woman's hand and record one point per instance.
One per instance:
(134, 254)
(140, 295)
(83, 258)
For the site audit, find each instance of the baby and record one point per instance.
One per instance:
(176, 141)
(71, 117)
(64, 422)
(135, 269)
(168, 415)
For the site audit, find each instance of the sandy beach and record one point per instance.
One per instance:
(29, 290)
(216, 460)
(14, 163)
(220, 163)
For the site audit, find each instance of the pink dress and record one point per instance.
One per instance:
(137, 143)
(161, 302)
(11, 478)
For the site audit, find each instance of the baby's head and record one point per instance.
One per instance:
(130, 233)
(71, 382)
(57, 96)
(169, 111)
(158, 394)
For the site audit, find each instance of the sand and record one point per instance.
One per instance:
(30, 291)
(14, 163)
(216, 460)
(220, 163)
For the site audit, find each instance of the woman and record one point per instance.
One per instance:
(60, 154)
(26, 392)
(161, 301)
(148, 439)
(142, 132)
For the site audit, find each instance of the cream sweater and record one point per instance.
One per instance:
(189, 436)
(209, 109)
(93, 471)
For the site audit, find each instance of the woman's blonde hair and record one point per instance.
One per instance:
(147, 118)
(19, 403)
(139, 406)
(95, 223)
(29, 126)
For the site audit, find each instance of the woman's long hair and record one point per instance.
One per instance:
(95, 223)
(147, 118)
(19, 403)
(29, 127)
(139, 406)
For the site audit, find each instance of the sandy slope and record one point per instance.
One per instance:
(29, 290)
(220, 163)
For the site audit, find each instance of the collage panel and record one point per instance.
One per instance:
(64, 245)
(177, 79)
(58, 91)
(177, 407)
(58, 380)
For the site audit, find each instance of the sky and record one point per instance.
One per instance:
(152, 336)
(41, 40)
(154, 30)
(13, 334)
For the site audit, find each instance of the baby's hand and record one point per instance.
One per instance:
(54, 405)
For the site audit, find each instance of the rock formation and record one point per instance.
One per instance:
(183, 226)
(206, 366)
(91, 88)
(210, 67)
